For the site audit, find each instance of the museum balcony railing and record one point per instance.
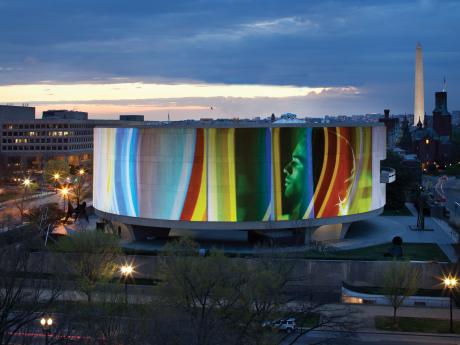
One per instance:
(387, 175)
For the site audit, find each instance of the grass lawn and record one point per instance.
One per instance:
(411, 251)
(308, 321)
(415, 324)
(402, 212)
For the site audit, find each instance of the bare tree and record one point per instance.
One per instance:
(45, 219)
(23, 297)
(311, 314)
(110, 320)
(21, 203)
(401, 280)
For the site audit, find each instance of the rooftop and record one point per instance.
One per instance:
(224, 123)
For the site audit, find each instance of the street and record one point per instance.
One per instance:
(451, 189)
(35, 336)
(373, 338)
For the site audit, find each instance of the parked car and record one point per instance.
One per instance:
(285, 325)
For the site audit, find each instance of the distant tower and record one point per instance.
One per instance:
(419, 102)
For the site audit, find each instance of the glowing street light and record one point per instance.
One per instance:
(450, 283)
(46, 324)
(65, 193)
(56, 176)
(26, 182)
(81, 172)
(126, 272)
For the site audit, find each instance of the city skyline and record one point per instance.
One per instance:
(245, 59)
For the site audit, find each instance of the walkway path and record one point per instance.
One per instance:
(365, 314)
(383, 229)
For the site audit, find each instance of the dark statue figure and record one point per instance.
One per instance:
(79, 211)
(395, 251)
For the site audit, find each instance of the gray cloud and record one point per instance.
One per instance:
(332, 43)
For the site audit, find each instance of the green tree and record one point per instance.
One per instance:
(401, 280)
(55, 166)
(406, 140)
(221, 296)
(405, 182)
(91, 256)
(80, 186)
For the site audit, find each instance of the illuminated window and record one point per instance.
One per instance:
(427, 141)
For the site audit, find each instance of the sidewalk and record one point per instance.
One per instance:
(364, 315)
(382, 229)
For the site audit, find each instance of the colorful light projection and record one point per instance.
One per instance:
(236, 174)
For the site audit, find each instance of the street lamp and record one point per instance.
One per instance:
(64, 192)
(26, 182)
(46, 324)
(81, 172)
(420, 215)
(126, 272)
(56, 177)
(450, 283)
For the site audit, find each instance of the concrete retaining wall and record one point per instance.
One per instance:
(307, 274)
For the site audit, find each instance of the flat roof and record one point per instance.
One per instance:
(241, 124)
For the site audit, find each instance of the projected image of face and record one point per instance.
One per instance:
(295, 178)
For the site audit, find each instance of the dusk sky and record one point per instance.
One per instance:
(242, 58)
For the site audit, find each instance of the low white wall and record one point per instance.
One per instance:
(410, 301)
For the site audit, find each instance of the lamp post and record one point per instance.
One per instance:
(450, 283)
(56, 177)
(126, 272)
(421, 216)
(26, 185)
(26, 182)
(46, 324)
(64, 192)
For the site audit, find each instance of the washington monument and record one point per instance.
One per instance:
(419, 101)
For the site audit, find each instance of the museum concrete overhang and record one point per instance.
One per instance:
(252, 225)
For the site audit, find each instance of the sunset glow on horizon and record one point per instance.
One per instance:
(156, 101)
(137, 91)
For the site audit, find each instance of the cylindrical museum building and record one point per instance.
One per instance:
(241, 181)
